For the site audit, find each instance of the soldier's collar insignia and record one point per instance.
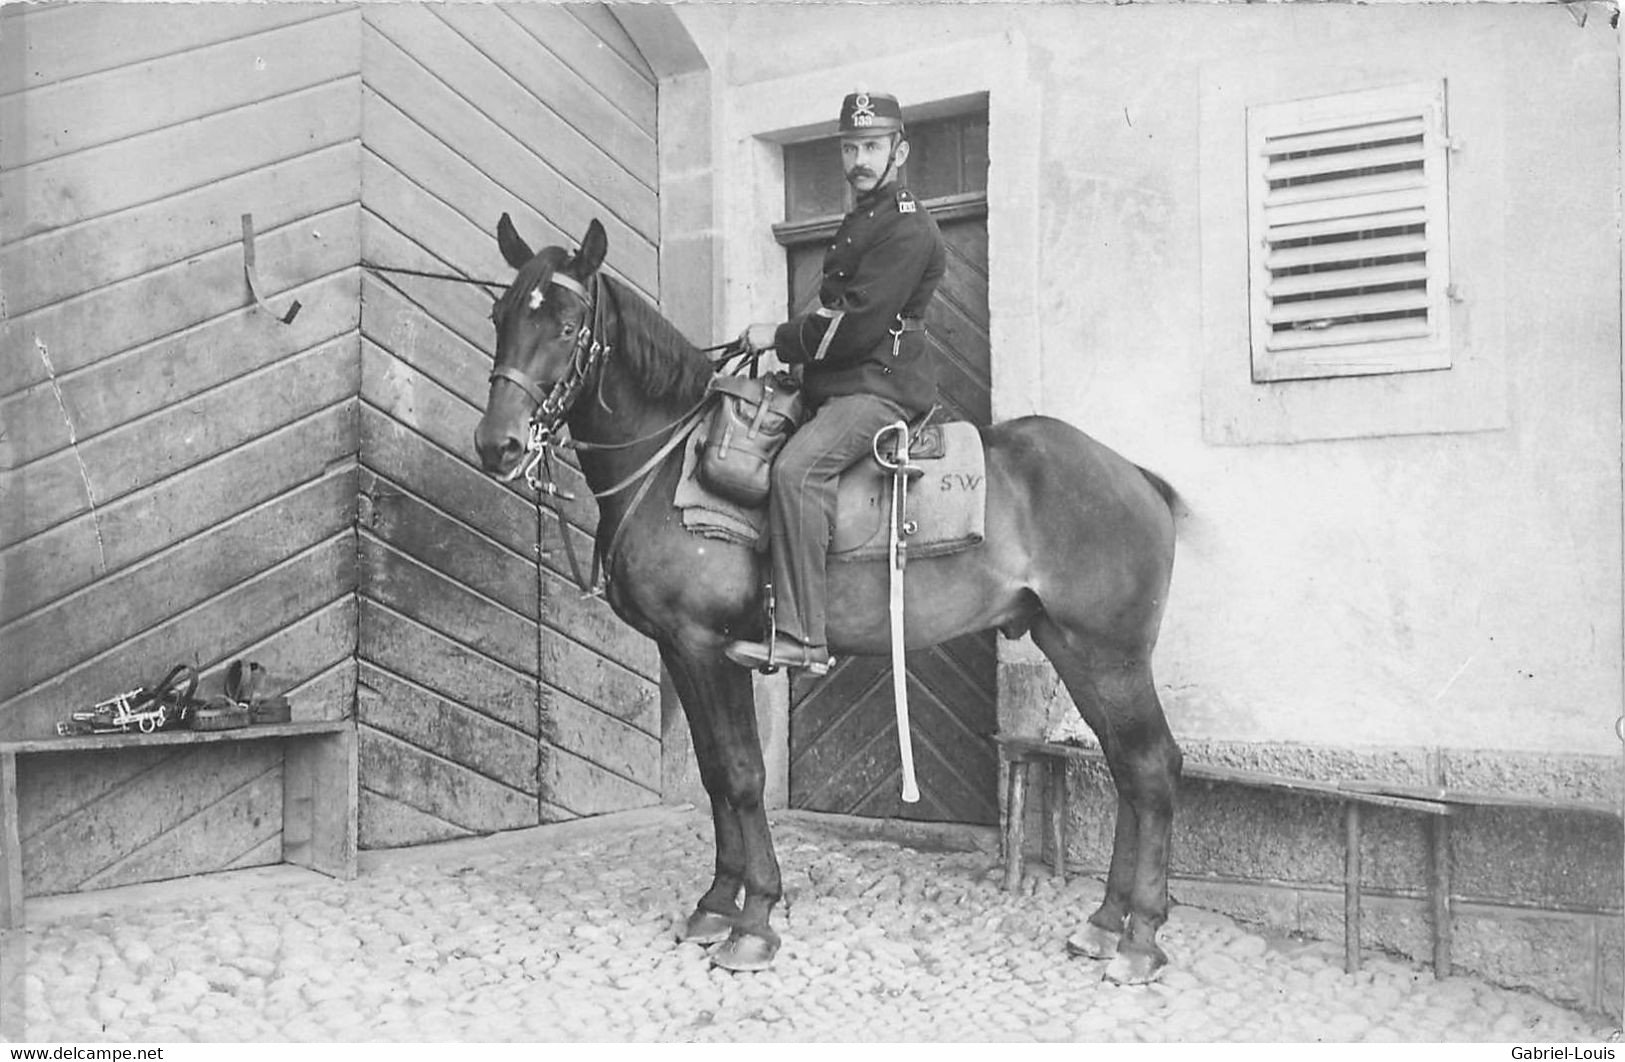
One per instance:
(905, 201)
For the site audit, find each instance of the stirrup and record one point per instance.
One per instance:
(770, 603)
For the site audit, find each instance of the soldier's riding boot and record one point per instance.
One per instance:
(801, 508)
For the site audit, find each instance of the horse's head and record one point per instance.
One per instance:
(544, 343)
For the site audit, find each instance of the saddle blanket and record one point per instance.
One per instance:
(947, 506)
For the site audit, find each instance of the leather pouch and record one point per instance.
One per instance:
(750, 425)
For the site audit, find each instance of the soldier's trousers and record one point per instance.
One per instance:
(802, 506)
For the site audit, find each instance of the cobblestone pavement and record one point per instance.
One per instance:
(566, 933)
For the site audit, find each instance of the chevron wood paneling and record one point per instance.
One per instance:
(843, 730)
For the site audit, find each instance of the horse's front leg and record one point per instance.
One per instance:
(718, 702)
(714, 915)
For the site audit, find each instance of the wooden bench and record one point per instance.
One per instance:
(319, 792)
(1017, 757)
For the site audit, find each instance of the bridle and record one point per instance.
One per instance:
(586, 356)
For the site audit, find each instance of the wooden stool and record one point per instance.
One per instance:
(1017, 756)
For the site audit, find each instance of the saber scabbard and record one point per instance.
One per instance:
(897, 557)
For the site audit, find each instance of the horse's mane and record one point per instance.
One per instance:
(659, 358)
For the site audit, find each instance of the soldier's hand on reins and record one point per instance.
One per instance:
(758, 338)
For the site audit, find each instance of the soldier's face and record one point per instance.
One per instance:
(864, 159)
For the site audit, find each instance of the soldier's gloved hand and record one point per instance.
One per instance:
(758, 337)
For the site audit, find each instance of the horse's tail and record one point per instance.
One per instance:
(1170, 496)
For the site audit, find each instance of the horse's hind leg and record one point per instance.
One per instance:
(718, 702)
(1117, 698)
(1098, 937)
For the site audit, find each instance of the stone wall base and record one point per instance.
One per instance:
(1274, 862)
(1569, 957)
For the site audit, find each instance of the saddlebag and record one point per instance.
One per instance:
(748, 428)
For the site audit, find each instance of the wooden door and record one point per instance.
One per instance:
(843, 733)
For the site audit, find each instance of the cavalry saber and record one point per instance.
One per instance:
(897, 556)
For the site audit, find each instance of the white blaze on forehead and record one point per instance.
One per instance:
(536, 297)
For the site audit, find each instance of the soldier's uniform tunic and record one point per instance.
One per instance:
(866, 363)
(884, 266)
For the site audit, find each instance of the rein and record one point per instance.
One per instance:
(454, 277)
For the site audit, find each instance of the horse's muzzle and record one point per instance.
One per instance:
(500, 452)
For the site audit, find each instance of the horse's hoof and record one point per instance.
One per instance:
(1092, 942)
(1136, 967)
(706, 927)
(745, 953)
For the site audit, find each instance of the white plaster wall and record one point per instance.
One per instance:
(1458, 589)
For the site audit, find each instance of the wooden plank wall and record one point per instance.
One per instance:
(491, 695)
(179, 469)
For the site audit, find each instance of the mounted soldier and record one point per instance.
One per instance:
(865, 364)
(1077, 548)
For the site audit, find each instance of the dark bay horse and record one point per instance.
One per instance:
(1079, 550)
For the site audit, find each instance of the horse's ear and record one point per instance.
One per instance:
(594, 246)
(515, 250)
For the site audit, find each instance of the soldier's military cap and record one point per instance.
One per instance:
(870, 112)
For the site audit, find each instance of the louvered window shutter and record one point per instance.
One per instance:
(1349, 234)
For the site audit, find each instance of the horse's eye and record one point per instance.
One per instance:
(569, 329)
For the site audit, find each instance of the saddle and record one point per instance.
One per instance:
(947, 503)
